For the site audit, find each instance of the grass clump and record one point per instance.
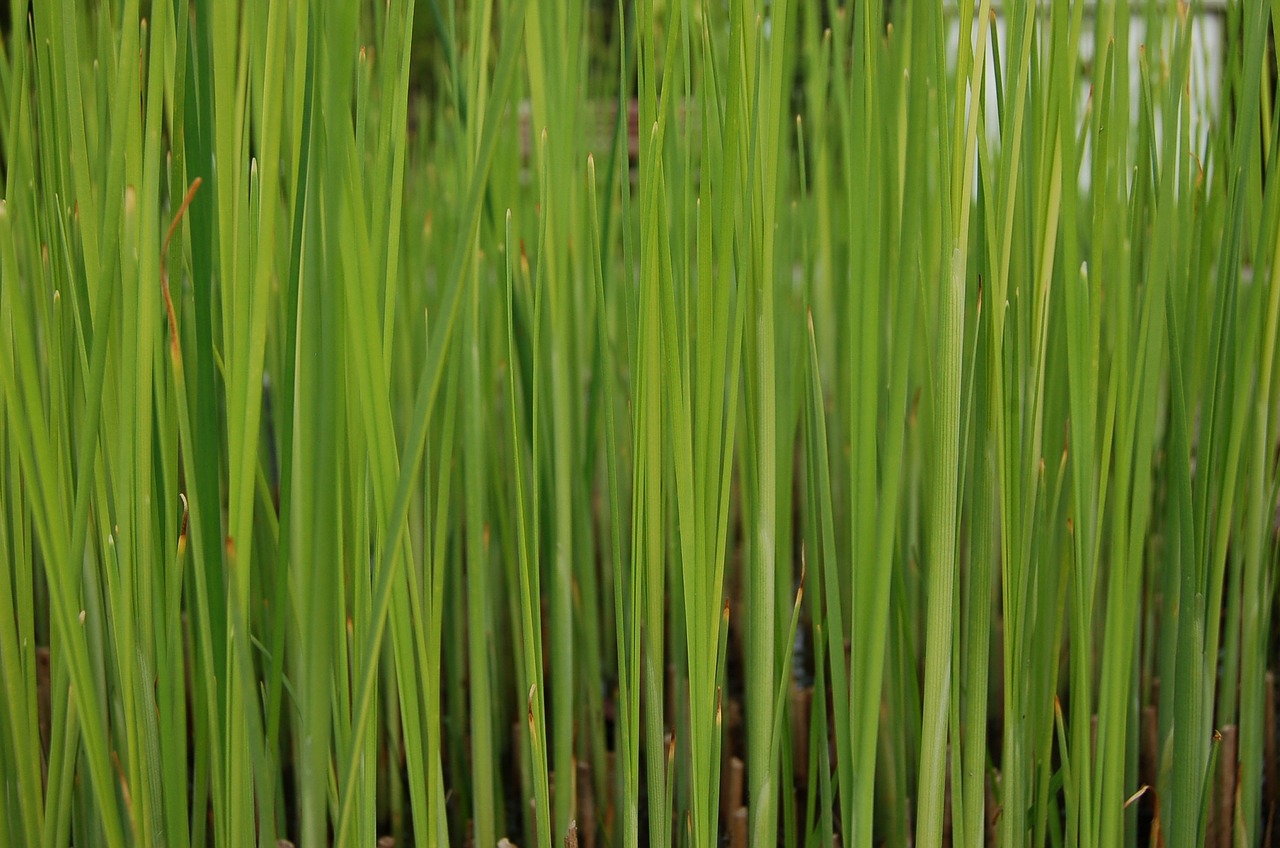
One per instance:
(680, 423)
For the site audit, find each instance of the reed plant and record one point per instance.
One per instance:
(680, 423)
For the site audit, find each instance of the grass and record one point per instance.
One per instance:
(680, 423)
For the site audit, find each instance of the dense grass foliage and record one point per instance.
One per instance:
(677, 422)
